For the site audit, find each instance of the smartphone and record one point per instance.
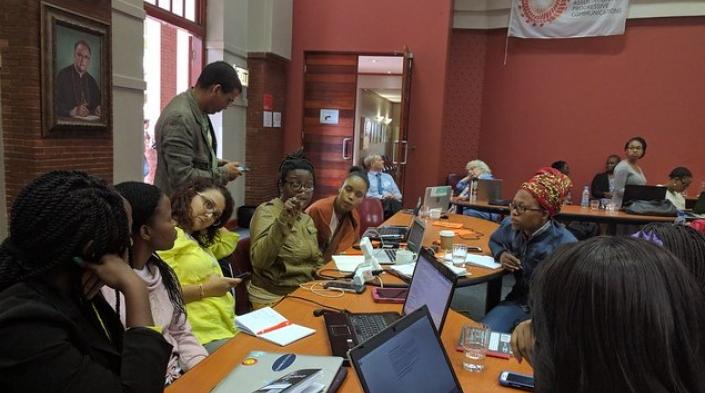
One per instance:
(516, 380)
(345, 285)
(389, 295)
(243, 275)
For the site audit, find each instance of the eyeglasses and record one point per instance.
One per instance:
(521, 209)
(298, 186)
(210, 207)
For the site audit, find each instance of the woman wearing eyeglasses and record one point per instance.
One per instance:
(200, 210)
(284, 249)
(525, 239)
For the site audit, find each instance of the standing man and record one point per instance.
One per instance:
(77, 92)
(382, 185)
(184, 135)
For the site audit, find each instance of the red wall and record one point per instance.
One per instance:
(581, 99)
(381, 26)
(463, 100)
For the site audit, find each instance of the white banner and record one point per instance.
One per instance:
(567, 18)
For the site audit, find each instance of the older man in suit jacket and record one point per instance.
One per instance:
(185, 139)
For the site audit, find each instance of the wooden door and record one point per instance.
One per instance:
(330, 82)
(400, 149)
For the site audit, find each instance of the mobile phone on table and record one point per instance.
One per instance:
(516, 380)
(389, 295)
(243, 275)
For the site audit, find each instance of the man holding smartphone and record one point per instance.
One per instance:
(185, 139)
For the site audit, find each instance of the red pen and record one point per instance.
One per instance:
(274, 327)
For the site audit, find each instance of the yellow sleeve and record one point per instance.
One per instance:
(224, 243)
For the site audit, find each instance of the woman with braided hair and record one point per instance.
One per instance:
(284, 249)
(153, 229)
(69, 233)
(683, 241)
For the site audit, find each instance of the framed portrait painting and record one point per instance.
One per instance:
(76, 76)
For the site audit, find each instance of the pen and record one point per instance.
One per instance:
(274, 327)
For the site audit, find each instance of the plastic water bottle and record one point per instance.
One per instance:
(585, 200)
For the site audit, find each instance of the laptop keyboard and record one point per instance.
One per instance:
(367, 325)
(392, 254)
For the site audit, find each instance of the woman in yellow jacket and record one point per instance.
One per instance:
(200, 210)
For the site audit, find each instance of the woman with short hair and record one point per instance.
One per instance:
(284, 249)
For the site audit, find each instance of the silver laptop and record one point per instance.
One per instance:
(438, 198)
(489, 189)
(387, 256)
(259, 369)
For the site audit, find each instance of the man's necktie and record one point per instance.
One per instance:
(379, 183)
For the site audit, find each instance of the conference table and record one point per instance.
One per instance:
(215, 367)
(478, 236)
(575, 213)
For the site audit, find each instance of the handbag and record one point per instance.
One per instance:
(662, 207)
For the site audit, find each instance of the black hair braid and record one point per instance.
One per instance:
(171, 283)
(294, 161)
(144, 199)
(684, 242)
(54, 218)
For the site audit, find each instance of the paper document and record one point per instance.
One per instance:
(348, 263)
(408, 269)
(482, 261)
(271, 326)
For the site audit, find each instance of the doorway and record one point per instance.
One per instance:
(355, 105)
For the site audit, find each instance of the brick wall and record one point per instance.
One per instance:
(168, 65)
(27, 154)
(264, 146)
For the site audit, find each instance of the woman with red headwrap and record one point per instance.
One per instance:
(525, 239)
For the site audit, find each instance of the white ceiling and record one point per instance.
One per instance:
(380, 65)
(393, 95)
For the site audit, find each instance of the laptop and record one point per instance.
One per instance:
(643, 193)
(259, 369)
(489, 189)
(438, 198)
(387, 256)
(408, 356)
(393, 233)
(698, 211)
(432, 284)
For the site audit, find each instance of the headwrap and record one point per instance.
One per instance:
(549, 186)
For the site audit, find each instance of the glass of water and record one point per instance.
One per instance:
(460, 252)
(476, 339)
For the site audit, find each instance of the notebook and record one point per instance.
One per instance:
(268, 371)
(432, 284)
(270, 325)
(408, 356)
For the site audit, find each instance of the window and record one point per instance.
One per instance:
(186, 14)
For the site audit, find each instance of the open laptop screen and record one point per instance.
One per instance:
(429, 286)
(410, 360)
(413, 243)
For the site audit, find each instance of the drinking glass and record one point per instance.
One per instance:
(475, 342)
(460, 252)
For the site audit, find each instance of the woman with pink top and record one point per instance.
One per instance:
(152, 230)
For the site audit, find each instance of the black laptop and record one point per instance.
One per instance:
(643, 193)
(432, 285)
(406, 357)
(387, 255)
